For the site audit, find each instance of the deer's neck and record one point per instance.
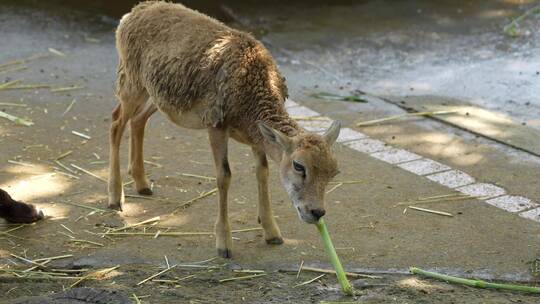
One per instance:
(277, 118)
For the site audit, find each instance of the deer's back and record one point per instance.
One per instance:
(182, 58)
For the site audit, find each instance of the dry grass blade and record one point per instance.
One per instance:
(81, 135)
(65, 227)
(86, 242)
(24, 60)
(435, 199)
(64, 89)
(54, 258)
(63, 155)
(26, 87)
(349, 274)
(148, 221)
(20, 163)
(189, 202)
(347, 182)
(310, 281)
(334, 188)
(96, 209)
(153, 163)
(300, 269)
(69, 107)
(41, 265)
(12, 104)
(209, 178)
(376, 121)
(96, 275)
(172, 233)
(15, 119)
(57, 52)
(14, 69)
(89, 173)
(9, 83)
(243, 278)
(65, 167)
(155, 275)
(249, 271)
(431, 211)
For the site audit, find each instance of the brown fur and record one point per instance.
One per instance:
(203, 74)
(194, 57)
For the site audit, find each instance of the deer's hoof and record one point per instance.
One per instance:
(116, 206)
(224, 253)
(145, 191)
(275, 241)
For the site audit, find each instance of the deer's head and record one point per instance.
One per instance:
(307, 165)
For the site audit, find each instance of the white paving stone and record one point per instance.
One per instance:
(316, 130)
(367, 145)
(512, 203)
(315, 125)
(302, 112)
(396, 156)
(533, 214)
(482, 190)
(347, 134)
(452, 179)
(289, 103)
(424, 166)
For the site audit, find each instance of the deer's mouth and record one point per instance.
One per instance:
(305, 216)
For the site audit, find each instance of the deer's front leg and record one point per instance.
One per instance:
(272, 235)
(218, 142)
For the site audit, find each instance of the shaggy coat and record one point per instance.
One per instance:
(194, 59)
(205, 75)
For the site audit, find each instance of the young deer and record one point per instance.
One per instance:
(204, 75)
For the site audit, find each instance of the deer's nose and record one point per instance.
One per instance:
(318, 213)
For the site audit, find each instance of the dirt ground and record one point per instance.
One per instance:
(370, 233)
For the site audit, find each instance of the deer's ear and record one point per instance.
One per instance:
(276, 137)
(332, 133)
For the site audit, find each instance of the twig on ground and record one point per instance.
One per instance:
(86, 242)
(81, 135)
(155, 275)
(376, 121)
(69, 106)
(63, 155)
(17, 120)
(89, 173)
(310, 281)
(209, 178)
(300, 269)
(95, 275)
(334, 188)
(189, 202)
(57, 52)
(242, 278)
(431, 211)
(64, 89)
(20, 163)
(349, 274)
(148, 221)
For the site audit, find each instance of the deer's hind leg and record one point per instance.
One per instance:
(130, 99)
(136, 155)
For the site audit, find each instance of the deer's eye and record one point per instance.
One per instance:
(299, 168)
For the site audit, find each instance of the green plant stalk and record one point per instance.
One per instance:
(334, 259)
(474, 283)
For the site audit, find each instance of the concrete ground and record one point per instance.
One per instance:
(417, 50)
